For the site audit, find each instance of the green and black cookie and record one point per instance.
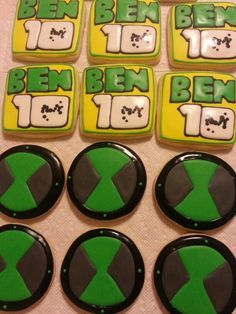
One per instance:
(103, 271)
(197, 190)
(26, 267)
(106, 180)
(196, 275)
(32, 179)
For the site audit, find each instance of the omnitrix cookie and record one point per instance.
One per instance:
(124, 31)
(203, 35)
(118, 101)
(32, 179)
(103, 271)
(26, 267)
(48, 30)
(196, 275)
(197, 190)
(106, 180)
(197, 108)
(41, 101)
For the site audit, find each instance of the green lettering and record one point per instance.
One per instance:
(203, 89)
(138, 80)
(37, 80)
(70, 9)
(224, 90)
(203, 15)
(183, 16)
(62, 80)
(148, 11)
(26, 9)
(103, 11)
(179, 89)
(47, 9)
(16, 81)
(115, 80)
(94, 82)
(225, 15)
(126, 11)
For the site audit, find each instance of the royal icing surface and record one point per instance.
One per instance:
(124, 30)
(118, 100)
(40, 100)
(197, 107)
(46, 29)
(203, 34)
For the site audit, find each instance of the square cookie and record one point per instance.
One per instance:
(118, 101)
(40, 101)
(202, 35)
(124, 31)
(197, 108)
(46, 30)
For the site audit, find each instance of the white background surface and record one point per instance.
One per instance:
(147, 227)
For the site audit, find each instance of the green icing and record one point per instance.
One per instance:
(224, 90)
(94, 80)
(102, 289)
(203, 89)
(61, 79)
(138, 80)
(198, 204)
(115, 79)
(182, 16)
(103, 11)
(107, 162)
(16, 81)
(179, 89)
(18, 196)
(37, 80)
(70, 9)
(26, 9)
(126, 11)
(47, 9)
(13, 246)
(204, 15)
(199, 262)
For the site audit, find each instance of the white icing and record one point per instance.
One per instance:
(41, 107)
(56, 35)
(113, 33)
(208, 122)
(138, 39)
(33, 29)
(193, 37)
(23, 104)
(211, 44)
(218, 44)
(130, 112)
(192, 114)
(104, 104)
(217, 123)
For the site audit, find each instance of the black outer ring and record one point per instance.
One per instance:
(20, 305)
(138, 192)
(190, 241)
(173, 214)
(138, 261)
(55, 191)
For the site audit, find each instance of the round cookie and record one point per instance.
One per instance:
(103, 271)
(106, 180)
(202, 36)
(26, 267)
(197, 190)
(32, 179)
(48, 30)
(196, 275)
(124, 31)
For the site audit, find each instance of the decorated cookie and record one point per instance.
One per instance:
(106, 180)
(118, 101)
(48, 30)
(203, 35)
(103, 271)
(26, 267)
(196, 275)
(124, 31)
(197, 108)
(197, 190)
(40, 101)
(32, 180)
